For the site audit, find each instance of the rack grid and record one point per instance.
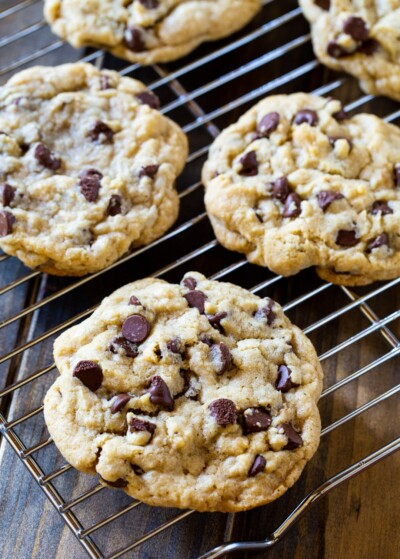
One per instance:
(203, 93)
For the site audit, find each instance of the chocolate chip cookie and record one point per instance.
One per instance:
(87, 168)
(147, 31)
(199, 395)
(361, 38)
(297, 183)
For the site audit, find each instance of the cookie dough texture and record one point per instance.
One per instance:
(361, 38)
(193, 455)
(91, 167)
(147, 31)
(269, 179)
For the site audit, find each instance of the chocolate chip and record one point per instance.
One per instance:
(292, 206)
(215, 321)
(257, 466)
(133, 300)
(130, 349)
(6, 223)
(224, 411)
(340, 115)
(266, 312)
(136, 328)
(101, 133)
(323, 4)
(381, 207)
(150, 4)
(105, 83)
(221, 357)
(47, 158)
(119, 402)
(149, 171)
(346, 238)
(294, 439)
(369, 47)
(147, 98)
(160, 394)
(326, 197)
(334, 139)
(256, 420)
(90, 184)
(114, 205)
(206, 340)
(196, 299)
(268, 124)
(137, 469)
(249, 164)
(134, 39)
(118, 484)
(89, 373)
(335, 50)
(7, 194)
(280, 189)
(356, 27)
(306, 115)
(174, 345)
(284, 382)
(190, 283)
(380, 240)
(136, 424)
(397, 175)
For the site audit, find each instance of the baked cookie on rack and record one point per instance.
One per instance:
(87, 168)
(199, 395)
(147, 31)
(297, 183)
(361, 38)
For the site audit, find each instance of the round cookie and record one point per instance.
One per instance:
(87, 168)
(359, 38)
(199, 395)
(296, 183)
(147, 31)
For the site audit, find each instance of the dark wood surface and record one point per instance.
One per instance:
(360, 519)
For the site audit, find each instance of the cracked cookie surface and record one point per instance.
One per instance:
(361, 38)
(297, 183)
(87, 168)
(199, 395)
(147, 31)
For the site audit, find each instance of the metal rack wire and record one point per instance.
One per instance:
(194, 104)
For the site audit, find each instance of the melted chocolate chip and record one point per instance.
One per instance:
(356, 27)
(334, 139)
(292, 206)
(256, 420)
(137, 469)
(147, 98)
(149, 171)
(119, 402)
(101, 133)
(215, 321)
(257, 466)
(340, 115)
(174, 345)
(368, 47)
(379, 206)
(326, 197)
(134, 39)
(224, 411)
(280, 189)
(89, 373)
(346, 238)
(136, 424)
(114, 205)
(249, 164)
(323, 4)
(118, 484)
(7, 221)
(7, 194)
(90, 184)
(335, 50)
(47, 158)
(196, 299)
(136, 328)
(268, 124)
(294, 439)
(127, 347)
(307, 116)
(133, 300)
(380, 240)
(284, 382)
(190, 283)
(160, 394)
(150, 4)
(221, 357)
(266, 312)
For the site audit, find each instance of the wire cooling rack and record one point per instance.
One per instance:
(204, 92)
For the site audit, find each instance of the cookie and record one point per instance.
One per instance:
(360, 38)
(147, 31)
(297, 183)
(199, 395)
(87, 168)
